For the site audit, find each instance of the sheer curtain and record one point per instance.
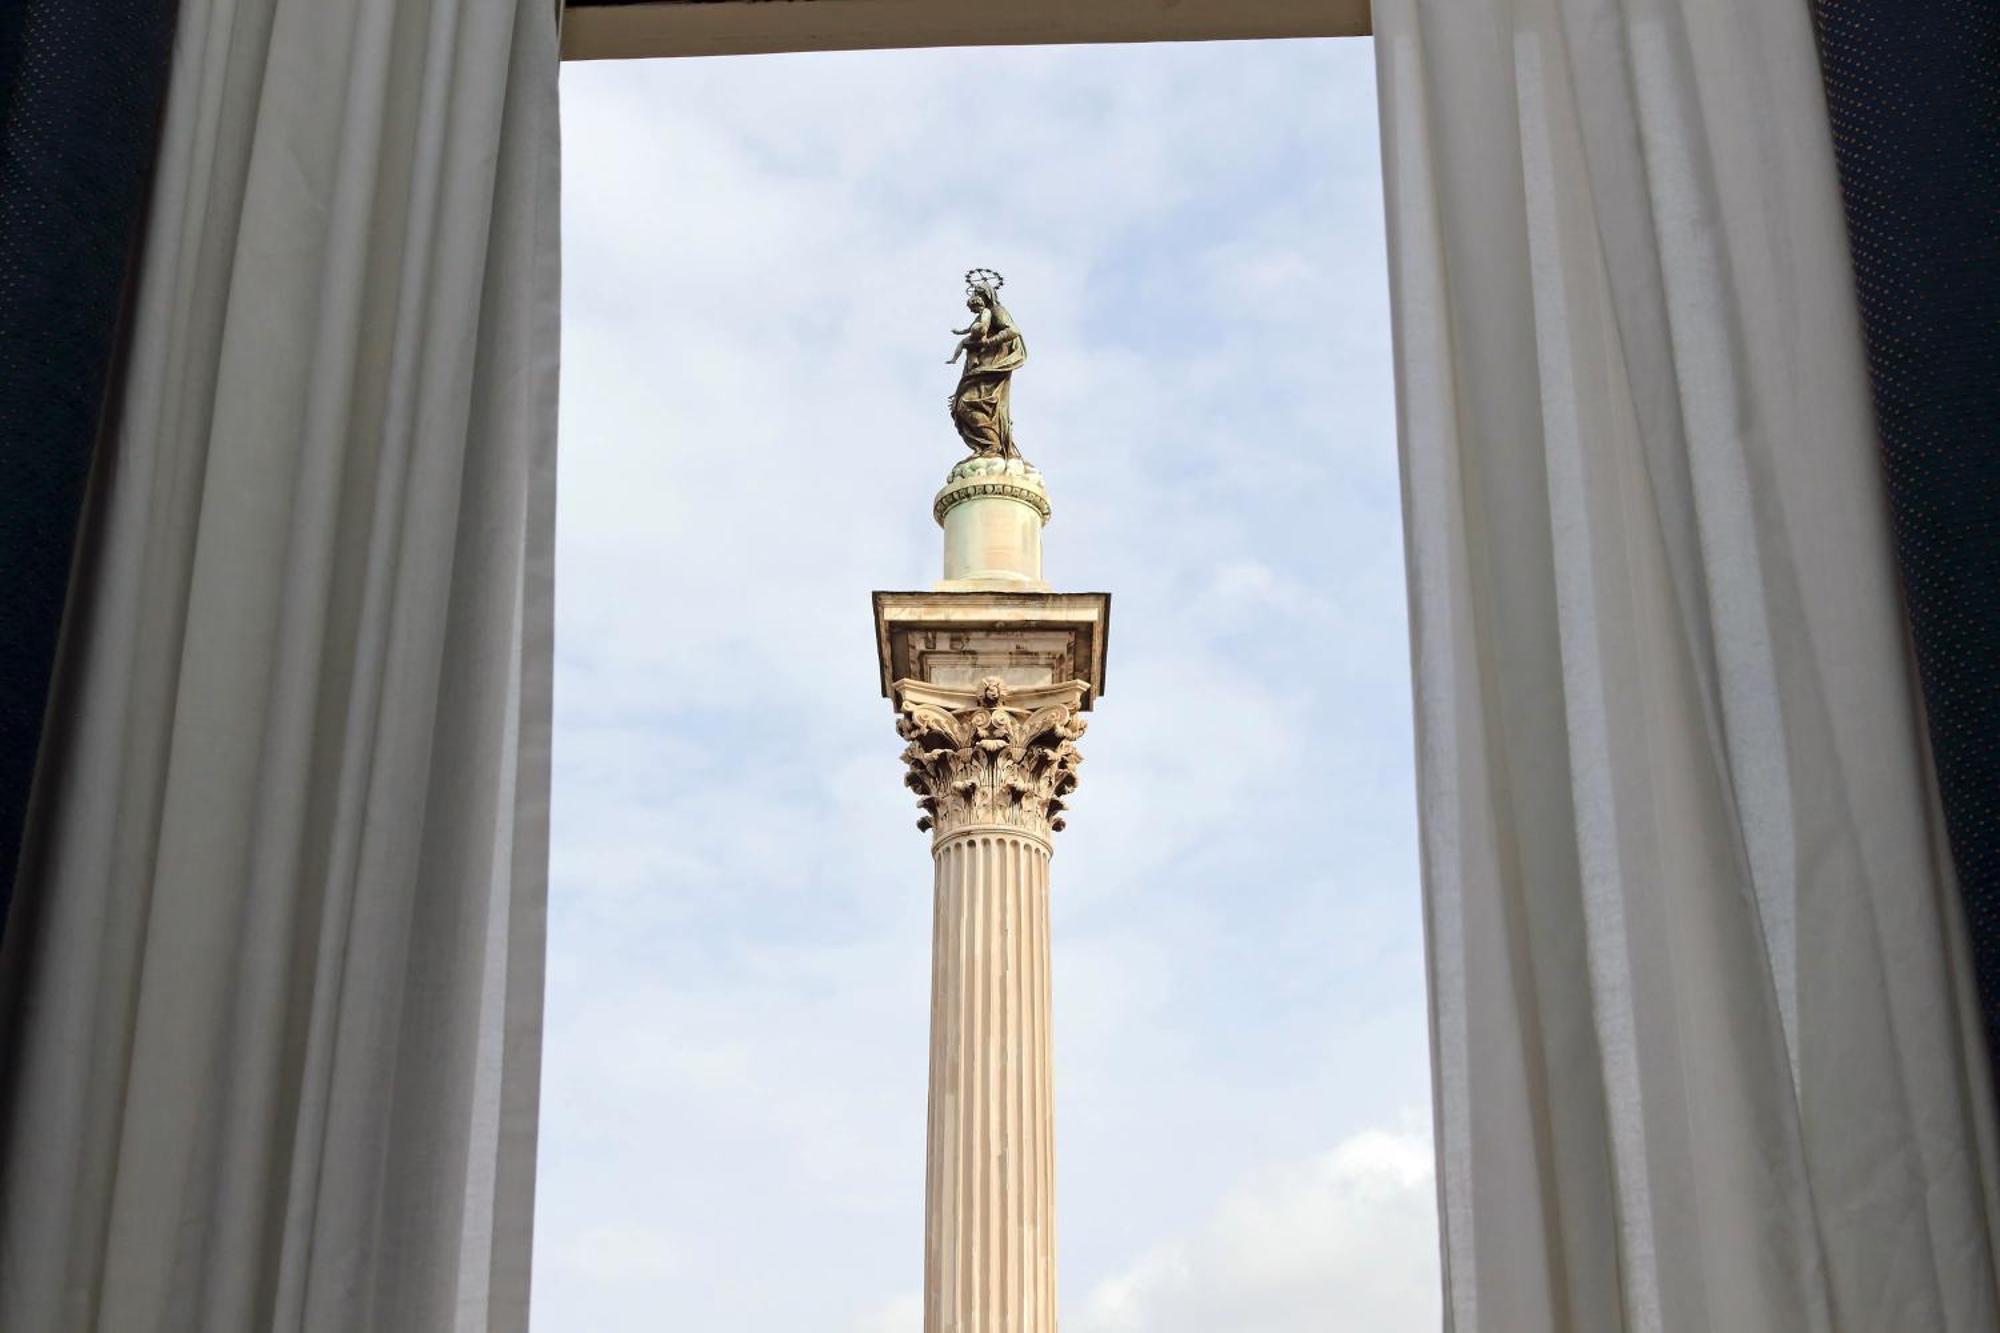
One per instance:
(273, 985)
(1706, 1057)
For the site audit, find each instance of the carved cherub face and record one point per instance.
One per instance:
(991, 691)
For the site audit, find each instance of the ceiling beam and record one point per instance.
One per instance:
(748, 27)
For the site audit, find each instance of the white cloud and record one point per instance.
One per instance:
(1345, 1242)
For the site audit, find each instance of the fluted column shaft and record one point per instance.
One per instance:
(989, 1224)
(993, 767)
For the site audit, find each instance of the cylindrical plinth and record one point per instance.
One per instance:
(992, 511)
(989, 1209)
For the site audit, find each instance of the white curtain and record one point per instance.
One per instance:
(273, 989)
(1704, 1046)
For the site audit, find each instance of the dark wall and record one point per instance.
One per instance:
(81, 87)
(1913, 87)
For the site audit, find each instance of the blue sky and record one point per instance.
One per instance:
(762, 261)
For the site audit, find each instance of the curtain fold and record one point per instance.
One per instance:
(1705, 1051)
(273, 989)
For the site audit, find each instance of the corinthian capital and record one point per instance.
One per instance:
(991, 754)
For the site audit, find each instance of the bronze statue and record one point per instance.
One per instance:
(993, 349)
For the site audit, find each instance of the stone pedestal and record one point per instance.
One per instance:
(992, 511)
(990, 675)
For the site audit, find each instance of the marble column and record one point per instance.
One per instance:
(990, 673)
(991, 767)
(989, 1196)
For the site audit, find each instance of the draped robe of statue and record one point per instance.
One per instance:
(980, 407)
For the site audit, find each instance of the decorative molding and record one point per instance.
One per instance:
(1030, 638)
(953, 496)
(991, 755)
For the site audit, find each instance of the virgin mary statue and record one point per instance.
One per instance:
(993, 349)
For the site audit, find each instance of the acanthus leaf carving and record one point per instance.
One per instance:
(990, 762)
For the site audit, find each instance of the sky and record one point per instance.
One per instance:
(763, 258)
